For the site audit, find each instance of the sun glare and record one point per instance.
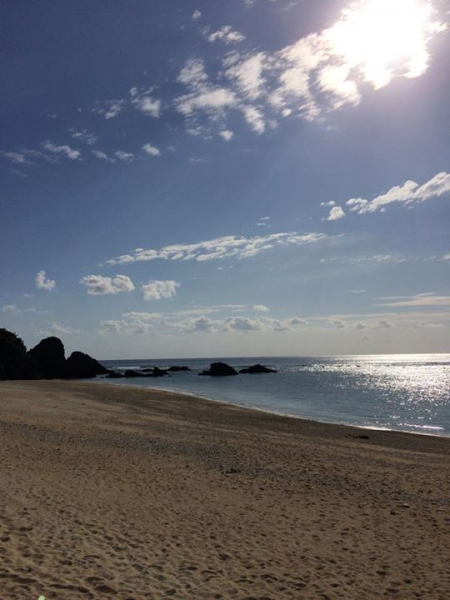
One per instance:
(385, 38)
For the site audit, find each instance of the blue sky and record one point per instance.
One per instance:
(266, 177)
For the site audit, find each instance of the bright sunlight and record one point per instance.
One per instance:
(385, 38)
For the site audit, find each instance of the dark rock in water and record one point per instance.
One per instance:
(15, 363)
(157, 372)
(147, 370)
(114, 375)
(83, 366)
(258, 369)
(50, 358)
(219, 369)
(131, 373)
(175, 369)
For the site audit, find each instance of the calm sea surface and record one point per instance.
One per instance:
(399, 392)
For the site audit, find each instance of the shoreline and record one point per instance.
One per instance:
(267, 410)
(114, 491)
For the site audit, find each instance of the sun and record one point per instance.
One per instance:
(385, 38)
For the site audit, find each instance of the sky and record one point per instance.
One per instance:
(249, 177)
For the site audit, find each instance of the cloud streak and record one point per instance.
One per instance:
(220, 248)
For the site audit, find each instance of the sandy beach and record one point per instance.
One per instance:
(115, 492)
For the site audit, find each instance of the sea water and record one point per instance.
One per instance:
(394, 392)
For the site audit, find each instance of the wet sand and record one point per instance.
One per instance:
(115, 492)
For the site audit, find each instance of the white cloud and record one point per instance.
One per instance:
(226, 134)
(370, 43)
(193, 74)
(242, 324)
(336, 213)
(63, 149)
(330, 203)
(124, 156)
(260, 308)
(406, 194)
(103, 156)
(151, 150)
(248, 75)
(220, 248)
(200, 325)
(136, 323)
(364, 260)
(254, 118)
(143, 101)
(84, 136)
(109, 108)
(196, 15)
(15, 157)
(98, 285)
(142, 316)
(63, 329)
(227, 35)
(210, 100)
(157, 290)
(13, 309)
(42, 283)
(10, 308)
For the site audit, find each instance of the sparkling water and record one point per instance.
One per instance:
(397, 392)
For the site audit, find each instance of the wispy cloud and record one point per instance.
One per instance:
(158, 290)
(426, 299)
(103, 156)
(109, 109)
(15, 310)
(143, 101)
(43, 283)
(84, 136)
(227, 35)
(219, 248)
(61, 329)
(62, 150)
(124, 156)
(408, 193)
(17, 158)
(98, 285)
(370, 43)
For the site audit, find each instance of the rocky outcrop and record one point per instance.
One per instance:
(175, 369)
(49, 357)
(258, 369)
(157, 372)
(219, 369)
(14, 360)
(82, 366)
(114, 375)
(132, 373)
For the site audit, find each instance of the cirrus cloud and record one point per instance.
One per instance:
(229, 246)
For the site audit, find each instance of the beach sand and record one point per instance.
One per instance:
(117, 492)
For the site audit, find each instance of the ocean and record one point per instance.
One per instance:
(392, 392)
